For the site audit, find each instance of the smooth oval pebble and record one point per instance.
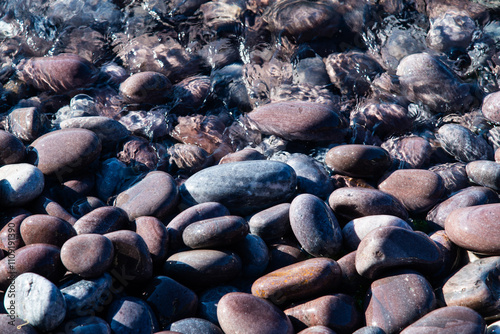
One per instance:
(454, 176)
(337, 312)
(450, 255)
(132, 259)
(12, 150)
(392, 247)
(242, 155)
(271, 223)
(254, 255)
(130, 315)
(10, 234)
(45, 229)
(463, 144)
(155, 234)
(315, 226)
(243, 187)
(146, 87)
(215, 232)
(26, 124)
(88, 255)
(297, 120)
(355, 230)
(170, 300)
(203, 267)
(485, 173)
(475, 228)
(401, 184)
(470, 196)
(450, 319)
(240, 312)
(312, 177)
(63, 152)
(306, 279)
(409, 152)
(102, 220)
(491, 107)
(398, 300)
(20, 183)
(195, 326)
(471, 286)
(156, 195)
(37, 301)
(284, 253)
(9, 324)
(350, 203)
(382, 119)
(358, 160)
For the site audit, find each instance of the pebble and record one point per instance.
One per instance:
(254, 255)
(156, 195)
(12, 150)
(355, 230)
(401, 185)
(383, 119)
(337, 312)
(302, 280)
(37, 301)
(409, 152)
(203, 267)
(84, 325)
(240, 312)
(63, 152)
(312, 177)
(356, 160)
(454, 176)
(129, 315)
(190, 158)
(87, 255)
(27, 124)
(370, 330)
(155, 235)
(20, 183)
(462, 144)
(46, 229)
(355, 202)
(297, 120)
(408, 296)
(209, 299)
(132, 259)
(315, 226)
(470, 196)
(317, 330)
(195, 326)
(215, 232)
(10, 234)
(485, 173)
(352, 282)
(471, 286)
(245, 154)
(475, 228)
(102, 220)
(170, 300)
(271, 223)
(85, 205)
(450, 319)
(146, 87)
(450, 254)
(190, 94)
(392, 247)
(243, 187)
(451, 30)
(490, 107)
(284, 253)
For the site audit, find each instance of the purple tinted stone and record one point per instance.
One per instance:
(358, 160)
(215, 232)
(102, 220)
(271, 223)
(129, 315)
(485, 173)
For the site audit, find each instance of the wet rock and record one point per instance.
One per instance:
(485, 173)
(215, 232)
(193, 214)
(462, 144)
(63, 152)
(155, 234)
(337, 312)
(454, 176)
(401, 184)
(45, 229)
(303, 280)
(399, 43)
(102, 220)
(153, 124)
(398, 300)
(242, 155)
(425, 79)
(146, 87)
(451, 319)
(60, 73)
(20, 184)
(170, 300)
(358, 160)
(12, 150)
(139, 154)
(243, 312)
(382, 119)
(453, 29)
(392, 247)
(490, 107)
(132, 259)
(157, 189)
(26, 124)
(355, 230)
(194, 326)
(473, 286)
(190, 158)
(190, 94)
(37, 301)
(243, 187)
(470, 196)
(315, 226)
(129, 315)
(450, 256)
(312, 178)
(209, 300)
(409, 152)
(85, 205)
(203, 267)
(351, 203)
(86, 297)
(475, 228)
(296, 120)
(87, 255)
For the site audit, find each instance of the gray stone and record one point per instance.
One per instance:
(20, 183)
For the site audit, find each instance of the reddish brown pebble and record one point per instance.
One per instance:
(271, 223)
(155, 235)
(302, 280)
(409, 152)
(240, 312)
(146, 87)
(358, 160)
(45, 229)
(102, 220)
(10, 234)
(491, 107)
(26, 124)
(12, 150)
(215, 232)
(317, 330)
(243, 155)
(352, 282)
(46, 206)
(87, 255)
